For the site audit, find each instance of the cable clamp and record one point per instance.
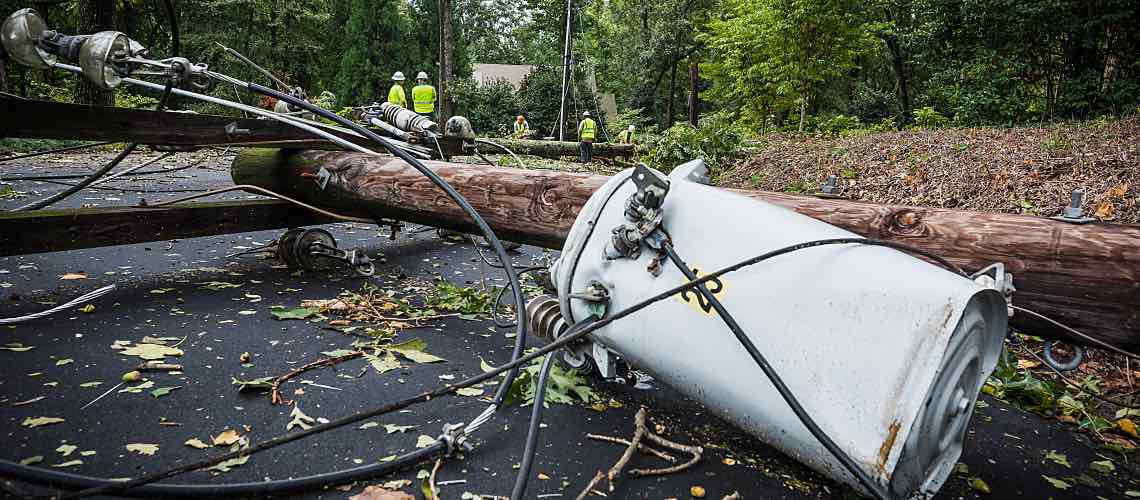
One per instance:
(994, 277)
(455, 437)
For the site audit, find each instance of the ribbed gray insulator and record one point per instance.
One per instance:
(545, 318)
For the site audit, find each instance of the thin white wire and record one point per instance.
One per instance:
(82, 298)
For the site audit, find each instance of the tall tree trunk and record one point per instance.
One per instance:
(93, 16)
(446, 61)
(803, 110)
(902, 81)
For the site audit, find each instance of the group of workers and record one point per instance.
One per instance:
(423, 94)
(587, 131)
(424, 97)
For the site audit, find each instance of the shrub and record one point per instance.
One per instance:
(928, 117)
(491, 106)
(718, 141)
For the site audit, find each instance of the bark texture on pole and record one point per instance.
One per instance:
(1087, 276)
(557, 149)
(446, 61)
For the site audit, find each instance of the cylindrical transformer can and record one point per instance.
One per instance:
(887, 352)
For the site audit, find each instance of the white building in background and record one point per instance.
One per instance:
(512, 73)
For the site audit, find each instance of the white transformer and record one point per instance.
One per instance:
(887, 352)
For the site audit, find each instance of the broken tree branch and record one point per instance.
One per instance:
(640, 447)
(638, 433)
(275, 388)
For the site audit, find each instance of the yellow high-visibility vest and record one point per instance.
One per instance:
(588, 129)
(423, 98)
(521, 128)
(396, 96)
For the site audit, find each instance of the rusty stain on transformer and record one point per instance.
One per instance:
(885, 449)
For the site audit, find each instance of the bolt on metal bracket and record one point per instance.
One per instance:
(1073, 214)
(830, 188)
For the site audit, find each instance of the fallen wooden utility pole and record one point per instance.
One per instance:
(1086, 276)
(558, 149)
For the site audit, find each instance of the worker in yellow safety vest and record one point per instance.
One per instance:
(396, 93)
(522, 128)
(423, 95)
(586, 131)
(626, 136)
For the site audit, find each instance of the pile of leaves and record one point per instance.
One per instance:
(1025, 170)
(447, 296)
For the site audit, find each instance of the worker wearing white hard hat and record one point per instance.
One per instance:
(626, 136)
(423, 95)
(587, 130)
(396, 93)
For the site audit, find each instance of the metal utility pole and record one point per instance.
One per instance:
(566, 62)
(694, 76)
(446, 51)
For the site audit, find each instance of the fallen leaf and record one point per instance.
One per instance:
(1057, 483)
(71, 463)
(1127, 426)
(151, 352)
(218, 285)
(32, 460)
(247, 312)
(1058, 458)
(1103, 466)
(728, 461)
(424, 441)
(414, 351)
(91, 384)
(230, 464)
(388, 458)
(1025, 364)
(368, 425)
(393, 428)
(87, 309)
(383, 363)
(138, 388)
(697, 491)
(257, 384)
(374, 492)
(543, 477)
(281, 313)
(226, 438)
(64, 361)
(979, 485)
(132, 376)
(66, 449)
(470, 391)
(162, 391)
(1132, 494)
(40, 421)
(17, 348)
(338, 353)
(87, 453)
(244, 357)
(301, 420)
(143, 448)
(1105, 209)
(73, 276)
(160, 291)
(196, 443)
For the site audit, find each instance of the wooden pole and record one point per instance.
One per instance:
(446, 61)
(557, 149)
(1086, 276)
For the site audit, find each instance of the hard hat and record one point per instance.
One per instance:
(398, 76)
(585, 113)
(631, 128)
(421, 76)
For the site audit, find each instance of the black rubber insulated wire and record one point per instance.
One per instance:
(530, 449)
(512, 277)
(563, 341)
(848, 463)
(56, 479)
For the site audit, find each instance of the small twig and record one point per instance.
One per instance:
(275, 388)
(158, 367)
(431, 480)
(694, 451)
(638, 433)
(418, 318)
(640, 447)
(590, 487)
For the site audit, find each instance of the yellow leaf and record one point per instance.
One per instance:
(226, 438)
(697, 491)
(40, 421)
(1127, 426)
(1027, 363)
(1105, 209)
(543, 477)
(143, 448)
(196, 443)
(73, 276)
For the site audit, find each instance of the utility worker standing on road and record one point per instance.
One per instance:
(586, 131)
(396, 93)
(626, 136)
(522, 128)
(423, 96)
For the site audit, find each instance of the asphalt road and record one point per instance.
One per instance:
(1005, 447)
